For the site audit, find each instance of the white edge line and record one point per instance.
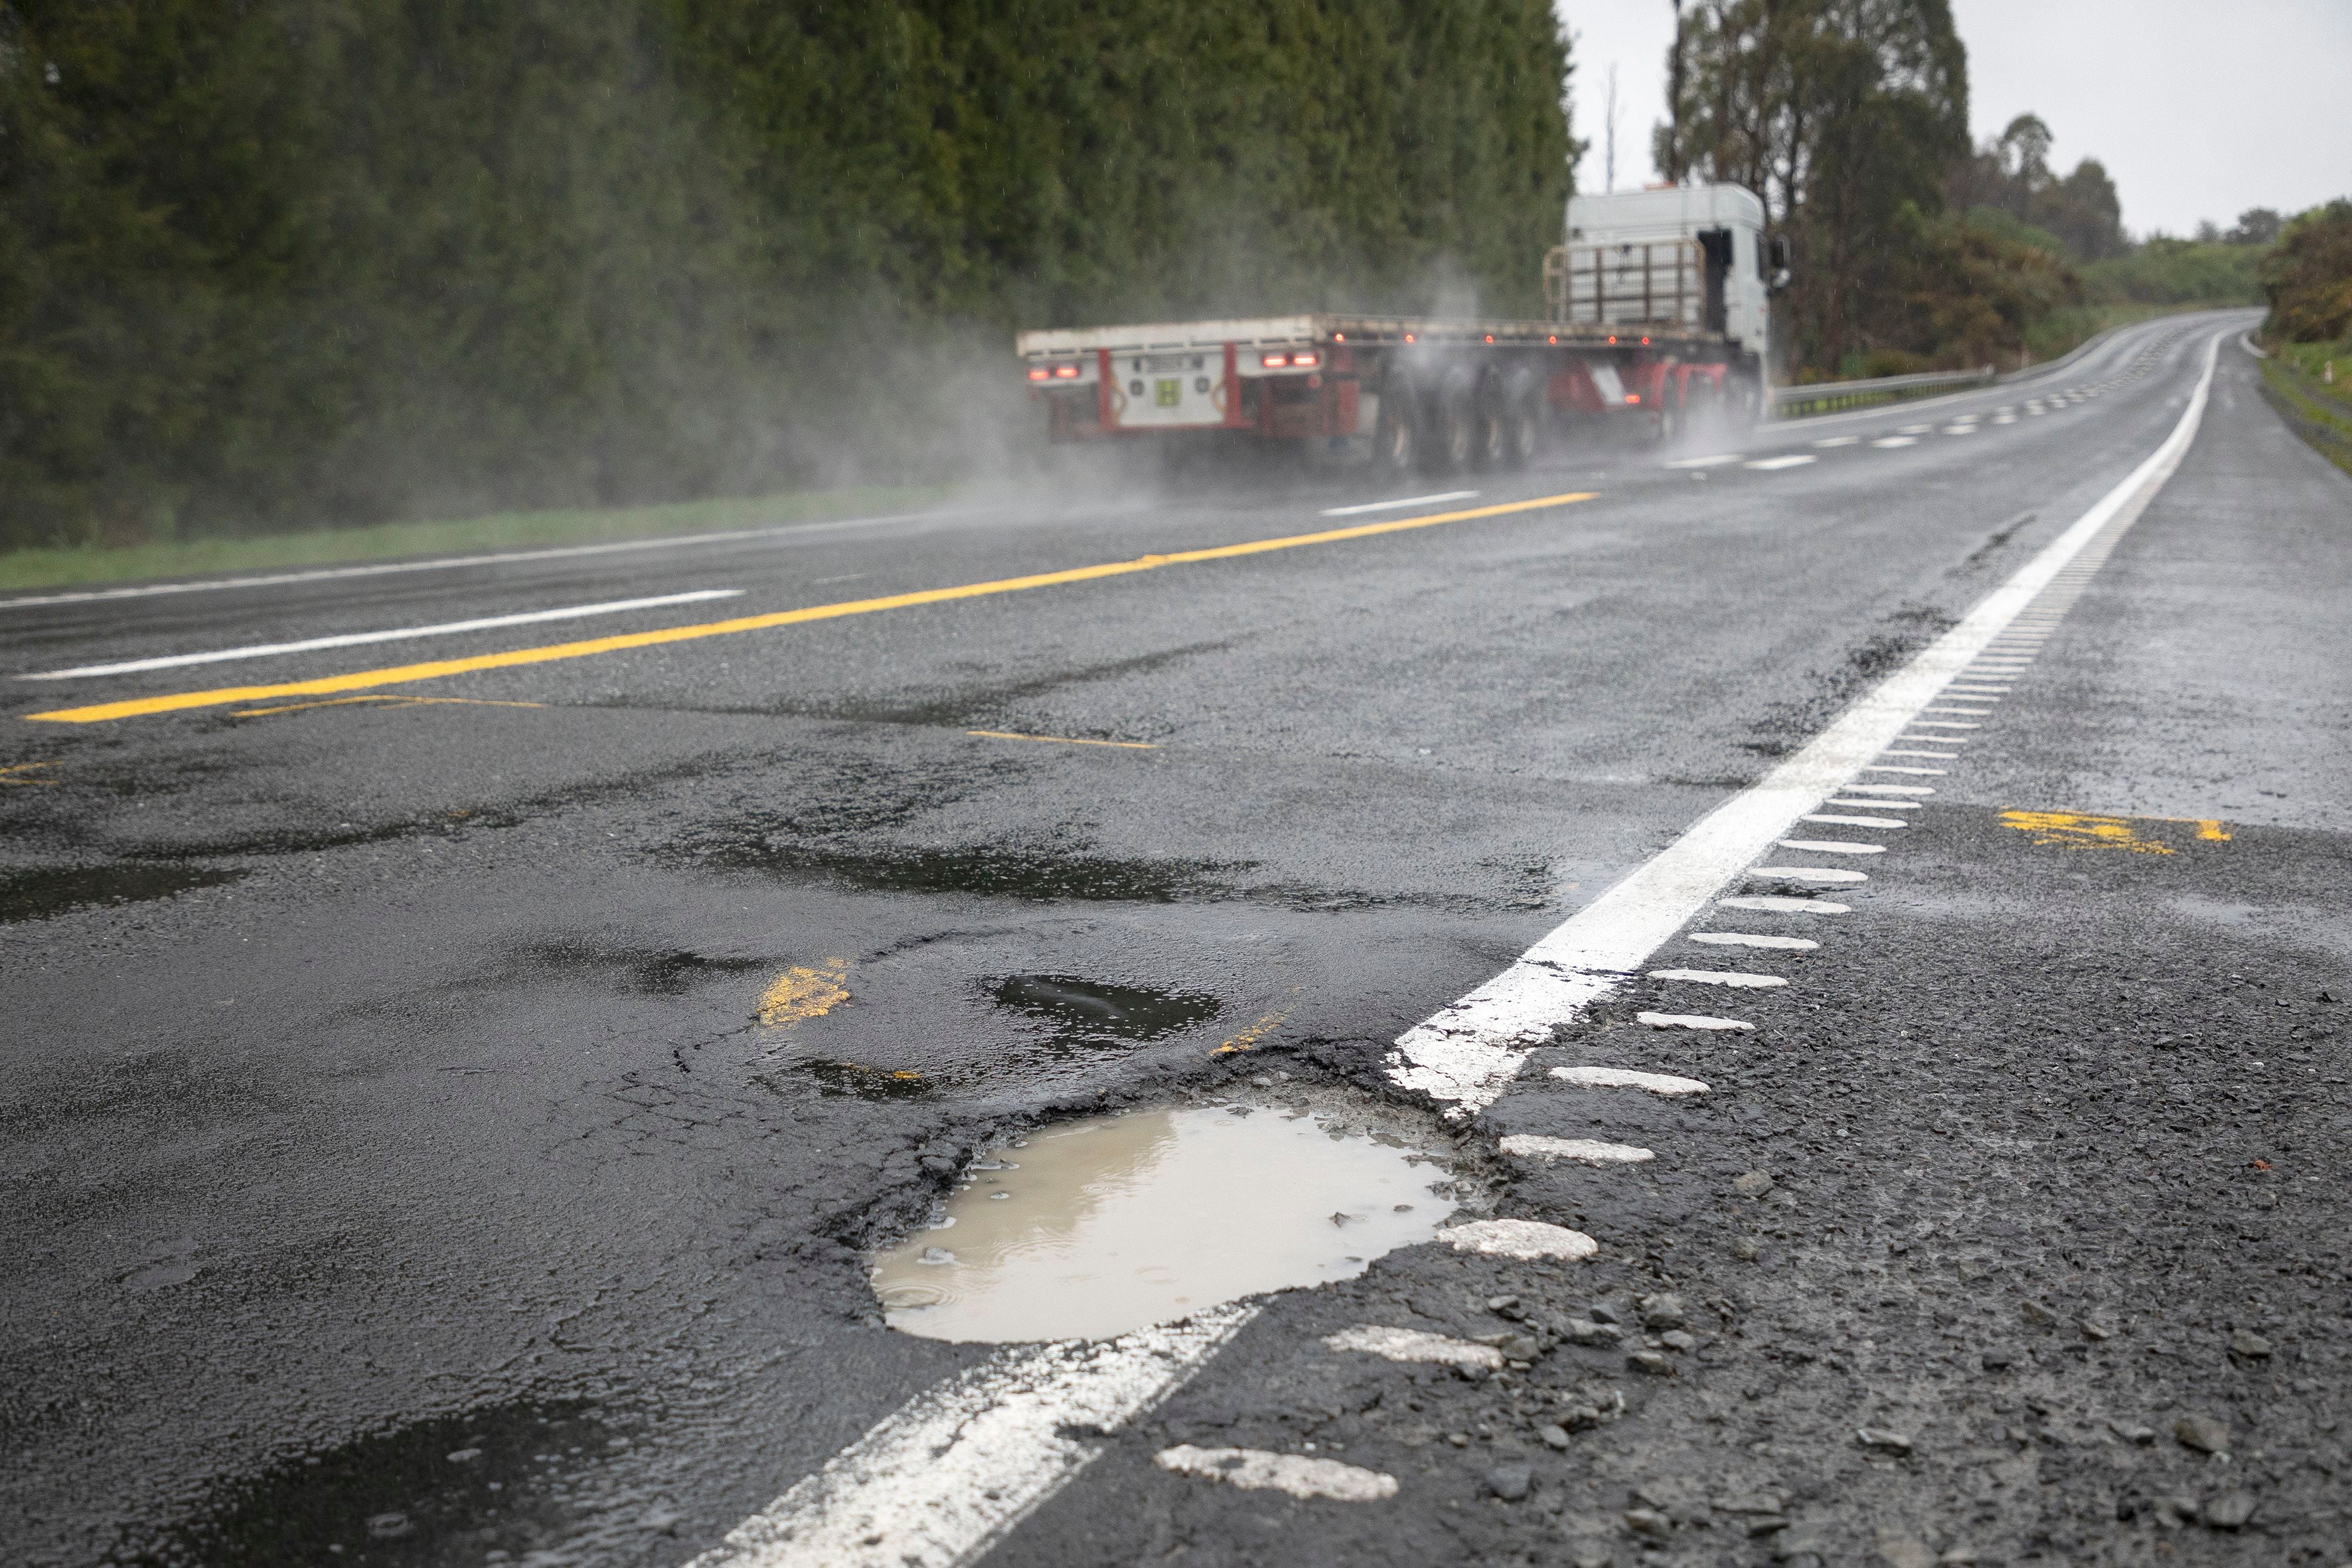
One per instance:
(915, 1491)
(1393, 505)
(1466, 1054)
(946, 1476)
(353, 640)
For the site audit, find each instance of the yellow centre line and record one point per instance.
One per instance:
(99, 713)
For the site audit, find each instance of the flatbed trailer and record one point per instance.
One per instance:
(1417, 392)
(1656, 324)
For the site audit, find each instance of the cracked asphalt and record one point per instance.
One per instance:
(391, 1081)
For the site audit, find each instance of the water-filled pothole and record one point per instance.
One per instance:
(37, 895)
(1088, 1007)
(1096, 1228)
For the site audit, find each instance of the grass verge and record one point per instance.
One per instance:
(2311, 407)
(85, 565)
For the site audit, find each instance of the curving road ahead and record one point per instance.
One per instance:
(466, 1021)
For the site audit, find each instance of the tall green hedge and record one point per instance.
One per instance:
(264, 262)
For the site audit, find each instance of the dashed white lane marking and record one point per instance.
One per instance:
(1832, 846)
(399, 634)
(1821, 874)
(1585, 1151)
(1960, 429)
(1993, 692)
(1527, 1240)
(1981, 711)
(1855, 821)
(1943, 723)
(1891, 441)
(1873, 805)
(1901, 768)
(1793, 460)
(1776, 904)
(1625, 1078)
(1715, 461)
(963, 1463)
(1363, 507)
(1690, 1021)
(940, 1481)
(1838, 441)
(1890, 789)
(1914, 429)
(1254, 1469)
(1734, 978)
(1414, 1347)
(1756, 939)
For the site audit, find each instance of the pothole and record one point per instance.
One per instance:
(1099, 1227)
(1088, 1008)
(38, 895)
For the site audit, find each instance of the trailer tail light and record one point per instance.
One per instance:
(1408, 337)
(1066, 372)
(1306, 360)
(1645, 342)
(1613, 337)
(1553, 340)
(1490, 336)
(1039, 372)
(1633, 397)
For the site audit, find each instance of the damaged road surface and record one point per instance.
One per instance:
(1680, 1012)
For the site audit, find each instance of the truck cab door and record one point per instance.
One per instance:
(1715, 243)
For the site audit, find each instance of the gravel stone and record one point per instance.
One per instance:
(2230, 1511)
(1653, 1364)
(2249, 1344)
(1882, 1439)
(1662, 1310)
(1553, 1438)
(1511, 1482)
(1649, 1522)
(2205, 1434)
(1584, 1332)
(1751, 1184)
(1679, 1340)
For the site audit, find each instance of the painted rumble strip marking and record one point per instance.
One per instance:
(400, 634)
(1064, 740)
(1362, 508)
(403, 674)
(938, 1484)
(1467, 1052)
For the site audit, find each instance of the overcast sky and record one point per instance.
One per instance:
(2199, 108)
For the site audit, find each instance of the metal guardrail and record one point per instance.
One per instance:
(1822, 397)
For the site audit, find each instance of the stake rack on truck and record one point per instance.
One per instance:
(1659, 310)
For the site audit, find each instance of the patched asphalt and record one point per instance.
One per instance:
(412, 1092)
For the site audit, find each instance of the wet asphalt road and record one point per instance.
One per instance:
(387, 1079)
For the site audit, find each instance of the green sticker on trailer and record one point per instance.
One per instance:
(1167, 393)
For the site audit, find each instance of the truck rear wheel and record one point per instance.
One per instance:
(1455, 427)
(1396, 440)
(1522, 420)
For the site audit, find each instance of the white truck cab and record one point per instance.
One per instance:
(1686, 258)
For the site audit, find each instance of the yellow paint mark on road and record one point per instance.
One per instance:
(2087, 830)
(1265, 1025)
(801, 992)
(397, 674)
(390, 698)
(1061, 740)
(7, 776)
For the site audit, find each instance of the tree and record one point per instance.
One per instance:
(2255, 226)
(2308, 276)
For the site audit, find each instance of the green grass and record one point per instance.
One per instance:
(2293, 381)
(81, 565)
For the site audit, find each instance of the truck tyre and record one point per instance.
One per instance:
(1491, 440)
(1522, 413)
(1397, 437)
(1455, 428)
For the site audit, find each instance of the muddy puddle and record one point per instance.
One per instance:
(40, 895)
(1091, 1228)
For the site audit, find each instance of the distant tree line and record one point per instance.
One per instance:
(301, 261)
(2308, 277)
(1911, 248)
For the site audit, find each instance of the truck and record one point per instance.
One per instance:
(1658, 309)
